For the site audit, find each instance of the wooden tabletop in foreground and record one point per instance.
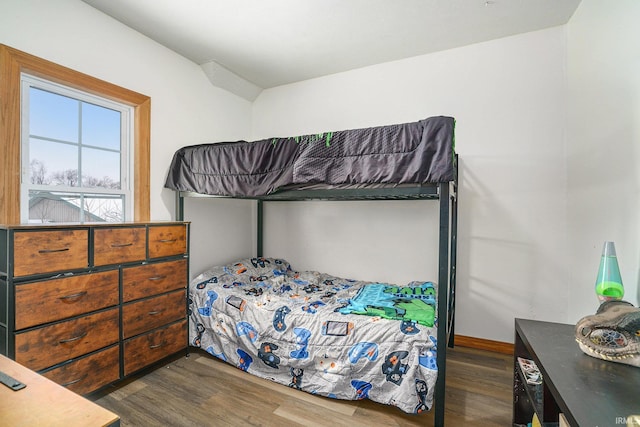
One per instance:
(45, 403)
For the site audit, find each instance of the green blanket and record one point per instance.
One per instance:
(415, 302)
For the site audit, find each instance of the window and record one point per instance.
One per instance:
(133, 178)
(75, 155)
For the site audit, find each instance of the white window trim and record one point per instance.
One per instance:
(126, 151)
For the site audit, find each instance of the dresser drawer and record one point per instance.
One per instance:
(119, 245)
(89, 373)
(167, 240)
(142, 316)
(147, 349)
(38, 252)
(43, 347)
(150, 279)
(57, 299)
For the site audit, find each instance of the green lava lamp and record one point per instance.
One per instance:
(609, 283)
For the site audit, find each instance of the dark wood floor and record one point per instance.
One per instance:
(479, 385)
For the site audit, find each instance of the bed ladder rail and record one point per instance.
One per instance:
(443, 303)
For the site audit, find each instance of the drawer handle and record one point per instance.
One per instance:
(167, 240)
(67, 384)
(151, 347)
(76, 338)
(73, 296)
(49, 251)
(157, 278)
(154, 312)
(121, 245)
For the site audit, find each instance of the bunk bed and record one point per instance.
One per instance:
(323, 334)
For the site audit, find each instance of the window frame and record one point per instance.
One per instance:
(12, 64)
(125, 158)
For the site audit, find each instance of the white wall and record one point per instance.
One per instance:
(603, 149)
(509, 99)
(185, 108)
(547, 131)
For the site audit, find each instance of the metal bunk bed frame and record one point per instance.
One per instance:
(447, 195)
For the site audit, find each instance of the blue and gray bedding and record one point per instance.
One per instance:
(334, 337)
(410, 153)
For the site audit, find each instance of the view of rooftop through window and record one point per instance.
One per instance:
(74, 155)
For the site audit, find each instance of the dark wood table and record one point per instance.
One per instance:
(589, 392)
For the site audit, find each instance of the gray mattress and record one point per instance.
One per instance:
(410, 153)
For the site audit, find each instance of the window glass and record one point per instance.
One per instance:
(104, 208)
(74, 155)
(100, 126)
(47, 206)
(53, 163)
(100, 168)
(53, 116)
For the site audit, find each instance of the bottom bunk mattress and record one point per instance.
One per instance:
(334, 337)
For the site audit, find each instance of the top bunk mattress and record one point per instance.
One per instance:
(420, 152)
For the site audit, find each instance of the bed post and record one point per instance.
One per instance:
(451, 316)
(454, 256)
(179, 206)
(443, 292)
(260, 229)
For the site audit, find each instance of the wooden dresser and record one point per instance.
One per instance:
(86, 305)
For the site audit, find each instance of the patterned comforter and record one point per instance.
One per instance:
(292, 328)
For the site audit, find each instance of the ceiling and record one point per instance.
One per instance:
(268, 43)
